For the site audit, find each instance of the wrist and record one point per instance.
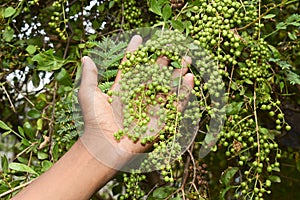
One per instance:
(107, 150)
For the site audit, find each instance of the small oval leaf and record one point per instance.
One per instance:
(269, 16)
(275, 179)
(9, 11)
(34, 113)
(4, 126)
(21, 168)
(31, 49)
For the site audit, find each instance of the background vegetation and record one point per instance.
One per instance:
(257, 50)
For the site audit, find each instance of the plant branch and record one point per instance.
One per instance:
(16, 188)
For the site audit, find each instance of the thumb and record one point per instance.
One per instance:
(185, 90)
(89, 80)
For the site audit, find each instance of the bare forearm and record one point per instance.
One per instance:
(77, 175)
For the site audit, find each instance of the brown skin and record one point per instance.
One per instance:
(79, 174)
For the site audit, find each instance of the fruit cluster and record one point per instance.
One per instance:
(242, 59)
(131, 15)
(150, 94)
(58, 20)
(234, 57)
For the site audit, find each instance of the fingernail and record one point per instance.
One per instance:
(135, 41)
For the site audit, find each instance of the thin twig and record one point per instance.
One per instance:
(51, 124)
(24, 96)
(185, 171)
(69, 40)
(19, 154)
(194, 165)
(15, 188)
(230, 80)
(152, 189)
(11, 104)
(256, 121)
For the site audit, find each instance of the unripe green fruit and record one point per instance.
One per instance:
(288, 128)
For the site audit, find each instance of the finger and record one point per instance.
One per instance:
(89, 81)
(133, 45)
(185, 91)
(179, 73)
(185, 61)
(89, 75)
(162, 61)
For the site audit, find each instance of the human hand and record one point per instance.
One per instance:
(100, 120)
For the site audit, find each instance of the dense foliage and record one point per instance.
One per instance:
(254, 46)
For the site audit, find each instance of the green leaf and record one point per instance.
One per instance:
(293, 77)
(294, 24)
(34, 113)
(275, 179)
(263, 130)
(111, 4)
(35, 79)
(234, 107)
(281, 86)
(42, 156)
(233, 86)
(4, 163)
(188, 24)
(55, 152)
(25, 142)
(63, 77)
(176, 65)
(266, 131)
(275, 52)
(292, 36)
(31, 49)
(22, 160)
(29, 130)
(155, 7)
(167, 12)
(224, 191)
(101, 7)
(81, 46)
(210, 138)
(105, 86)
(175, 81)
(4, 188)
(48, 62)
(269, 16)
(293, 18)
(163, 192)
(228, 174)
(8, 34)
(177, 25)
(46, 164)
(4, 126)
(283, 64)
(39, 124)
(276, 169)
(5, 133)
(9, 11)
(281, 25)
(21, 131)
(248, 81)
(21, 168)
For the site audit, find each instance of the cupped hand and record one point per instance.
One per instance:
(100, 122)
